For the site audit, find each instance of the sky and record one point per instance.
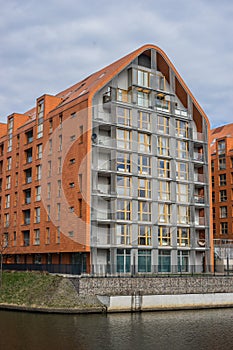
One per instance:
(47, 46)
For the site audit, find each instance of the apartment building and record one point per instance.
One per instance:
(222, 182)
(110, 175)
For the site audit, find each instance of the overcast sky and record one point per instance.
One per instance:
(46, 46)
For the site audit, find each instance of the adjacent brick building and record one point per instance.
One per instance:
(110, 175)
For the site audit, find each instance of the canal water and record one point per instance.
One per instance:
(204, 329)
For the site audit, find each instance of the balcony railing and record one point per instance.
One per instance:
(200, 221)
(198, 157)
(199, 178)
(199, 199)
(162, 105)
(198, 136)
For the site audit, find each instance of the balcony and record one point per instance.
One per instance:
(162, 105)
(198, 157)
(199, 199)
(200, 221)
(199, 178)
(198, 136)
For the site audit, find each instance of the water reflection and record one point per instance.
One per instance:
(206, 329)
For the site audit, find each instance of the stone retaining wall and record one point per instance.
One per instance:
(152, 285)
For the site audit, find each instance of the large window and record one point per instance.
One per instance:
(223, 195)
(144, 165)
(163, 146)
(181, 171)
(144, 211)
(163, 125)
(144, 120)
(182, 192)
(124, 162)
(222, 163)
(183, 261)
(181, 128)
(163, 168)
(37, 215)
(164, 190)
(144, 143)
(124, 211)
(144, 188)
(123, 139)
(182, 149)
(37, 237)
(123, 185)
(223, 212)
(143, 78)
(183, 237)
(164, 261)
(123, 260)
(183, 214)
(144, 235)
(40, 111)
(144, 260)
(123, 234)
(143, 99)
(164, 236)
(123, 116)
(164, 213)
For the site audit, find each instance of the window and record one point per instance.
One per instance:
(182, 192)
(38, 172)
(72, 137)
(123, 260)
(71, 209)
(123, 234)
(144, 143)
(183, 261)
(58, 211)
(143, 99)
(144, 235)
(144, 120)
(144, 188)
(163, 168)
(124, 210)
(71, 233)
(40, 111)
(222, 180)
(72, 161)
(27, 216)
(50, 146)
(7, 201)
(144, 211)
(28, 154)
(213, 212)
(181, 128)
(29, 136)
(143, 78)
(214, 229)
(183, 237)
(39, 151)
(37, 237)
(223, 228)
(144, 260)
(212, 178)
(183, 214)
(123, 162)
(123, 139)
(59, 188)
(47, 235)
(122, 96)
(222, 163)
(163, 146)
(8, 182)
(80, 182)
(38, 193)
(164, 190)
(49, 190)
(60, 142)
(212, 166)
(164, 261)
(164, 213)
(6, 220)
(27, 196)
(221, 146)
(213, 197)
(26, 238)
(49, 168)
(71, 184)
(60, 120)
(14, 239)
(181, 171)
(144, 165)
(223, 212)
(182, 149)
(123, 116)
(9, 163)
(163, 125)
(37, 215)
(59, 165)
(48, 212)
(28, 175)
(223, 195)
(123, 185)
(164, 236)
(50, 125)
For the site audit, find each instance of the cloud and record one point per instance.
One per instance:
(47, 47)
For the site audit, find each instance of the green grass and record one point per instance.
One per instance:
(36, 289)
